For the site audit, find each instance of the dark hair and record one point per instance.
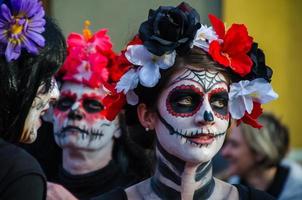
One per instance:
(20, 79)
(271, 142)
(196, 59)
(133, 160)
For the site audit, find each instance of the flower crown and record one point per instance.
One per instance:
(21, 27)
(174, 30)
(91, 61)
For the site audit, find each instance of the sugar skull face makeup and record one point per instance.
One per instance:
(193, 115)
(39, 106)
(78, 119)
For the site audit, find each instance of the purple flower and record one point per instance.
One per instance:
(21, 27)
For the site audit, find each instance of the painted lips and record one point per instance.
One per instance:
(73, 129)
(202, 138)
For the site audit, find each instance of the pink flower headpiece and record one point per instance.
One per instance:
(91, 61)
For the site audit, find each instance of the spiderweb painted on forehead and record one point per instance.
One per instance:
(207, 79)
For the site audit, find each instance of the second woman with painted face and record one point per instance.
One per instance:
(95, 154)
(185, 96)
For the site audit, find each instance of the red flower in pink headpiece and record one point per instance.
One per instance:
(231, 49)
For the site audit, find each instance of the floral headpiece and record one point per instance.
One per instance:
(167, 32)
(21, 27)
(91, 61)
(234, 49)
(174, 30)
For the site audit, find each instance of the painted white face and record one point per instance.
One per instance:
(79, 121)
(38, 108)
(193, 115)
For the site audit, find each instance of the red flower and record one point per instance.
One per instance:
(251, 119)
(232, 52)
(113, 103)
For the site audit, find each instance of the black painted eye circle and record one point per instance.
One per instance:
(64, 103)
(219, 101)
(92, 105)
(184, 100)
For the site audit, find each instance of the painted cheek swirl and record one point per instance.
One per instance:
(218, 98)
(184, 101)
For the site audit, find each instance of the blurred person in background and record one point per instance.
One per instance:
(256, 156)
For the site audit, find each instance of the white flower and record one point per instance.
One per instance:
(128, 81)
(204, 36)
(243, 93)
(148, 74)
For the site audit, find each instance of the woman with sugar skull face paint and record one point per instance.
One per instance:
(86, 122)
(186, 96)
(32, 50)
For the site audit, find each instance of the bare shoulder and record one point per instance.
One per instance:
(224, 190)
(141, 191)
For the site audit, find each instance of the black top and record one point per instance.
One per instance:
(276, 187)
(245, 193)
(94, 183)
(20, 174)
(46, 151)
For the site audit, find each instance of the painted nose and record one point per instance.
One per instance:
(205, 118)
(208, 116)
(75, 115)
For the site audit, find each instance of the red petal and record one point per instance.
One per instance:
(218, 26)
(251, 119)
(237, 40)
(135, 40)
(113, 105)
(215, 52)
(241, 64)
(75, 39)
(101, 40)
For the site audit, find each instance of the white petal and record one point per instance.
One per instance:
(128, 81)
(248, 103)
(264, 91)
(240, 99)
(237, 108)
(239, 89)
(166, 60)
(132, 98)
(204, 36)
(149, 75)
(138, 55)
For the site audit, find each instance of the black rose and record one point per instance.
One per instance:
(259, 69)
(170, 28)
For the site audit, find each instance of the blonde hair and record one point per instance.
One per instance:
(271, 142)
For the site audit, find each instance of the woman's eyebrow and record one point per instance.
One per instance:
(68, 94)
(92, 96)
